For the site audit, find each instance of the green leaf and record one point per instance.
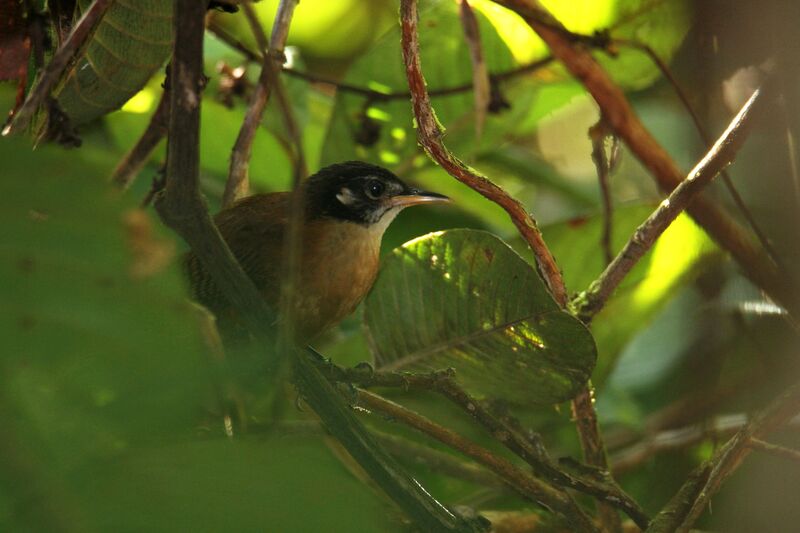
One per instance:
(464, 299)
(102, 351)
(446, 62)
(129, 45)
(271, 483)
(105, 382)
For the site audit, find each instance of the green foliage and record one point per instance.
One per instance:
(110, 407)
(131, 43)
(447, 64)
(105, 383)
(464, 299)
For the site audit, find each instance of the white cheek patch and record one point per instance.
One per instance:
(346, 196)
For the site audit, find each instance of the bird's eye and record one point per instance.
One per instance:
(375, 189)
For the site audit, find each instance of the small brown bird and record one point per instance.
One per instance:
(347, 208)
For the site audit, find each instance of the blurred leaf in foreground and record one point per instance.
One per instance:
(104, 381)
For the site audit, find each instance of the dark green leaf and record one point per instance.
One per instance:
(464, 299)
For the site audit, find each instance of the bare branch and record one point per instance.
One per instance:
(693, 498)
(446, 463)
(619, 113)
(671, 440)
(180, 204)
(272, 53)
(587, 304)
(774, 449)
(55, 69)
(430, 137)
(528, 486)
(594, 450)
(527, 447)
(134, 160)
(706, 138)
(480, 73)
(598, 134)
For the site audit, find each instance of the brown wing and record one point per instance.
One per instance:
(253, 228)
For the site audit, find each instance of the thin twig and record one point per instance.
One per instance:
(577, 58)
(340, 421)
(238, 181)
(446, 463)
(135, 159)
(528, 486)
(372, 94)
(280, 31)
(671, 440)
(707, 140)
(594, 451)
(55, 69)
(527, 447)
(598, 134)
(774, 449)
(693, 498)
(480, 74)
(430, 137)
(723, 152)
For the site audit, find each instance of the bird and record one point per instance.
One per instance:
(346, 208)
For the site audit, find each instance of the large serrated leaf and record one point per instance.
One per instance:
(464, 299)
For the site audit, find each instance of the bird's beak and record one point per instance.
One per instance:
(415, 196)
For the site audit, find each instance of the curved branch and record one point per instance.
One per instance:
(528, 486)
(430, 137)
(720, 156)
(728, 233)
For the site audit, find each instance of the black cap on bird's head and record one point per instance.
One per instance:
(360, 192)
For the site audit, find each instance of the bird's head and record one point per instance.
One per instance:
(361, 193)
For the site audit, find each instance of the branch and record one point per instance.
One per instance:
(603, 164)
(238, 181)
(181, 207)
(620, 115)
(180, 204)
(681, 513)
(443, 462)
(280, 31)
(480, 73)
(723, 152)
(529, 449)
(706, 138)
(55, 69)
(774, 449)
(339, 420)
(134, 160)
(528, 486)
(675, 439)
(430, 137)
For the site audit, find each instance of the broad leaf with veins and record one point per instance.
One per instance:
(464, 299)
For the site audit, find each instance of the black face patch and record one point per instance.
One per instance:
(353, 191)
